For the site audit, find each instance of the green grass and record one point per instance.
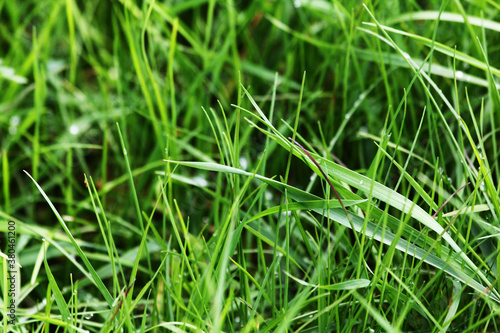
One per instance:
(152, 165)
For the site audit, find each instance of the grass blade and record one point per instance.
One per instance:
(96, 279)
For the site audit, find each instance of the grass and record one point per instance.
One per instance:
(179, 160)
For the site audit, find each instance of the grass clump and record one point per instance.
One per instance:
(223, 166)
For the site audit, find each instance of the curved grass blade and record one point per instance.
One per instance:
(61, 302)
(448, 17)
(346, 285)
(97, 280)
(306, 205)
(439, 47)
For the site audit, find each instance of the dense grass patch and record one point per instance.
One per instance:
(260, 166)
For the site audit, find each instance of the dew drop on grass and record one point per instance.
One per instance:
(200, 181)
(347, 116)
(361, 182)
(73, 129)
(459, 74)
(297, 3)
(243, 163)
(43, 239)
(14, 121)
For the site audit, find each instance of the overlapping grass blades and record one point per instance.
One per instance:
(303, 199)
(95, 277)
(449, 17)
(453, 261)
(460, 267)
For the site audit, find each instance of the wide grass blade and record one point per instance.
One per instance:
(61, 302)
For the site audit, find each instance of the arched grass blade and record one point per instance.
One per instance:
(97, 280)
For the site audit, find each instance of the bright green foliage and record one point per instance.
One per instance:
(164, 189)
